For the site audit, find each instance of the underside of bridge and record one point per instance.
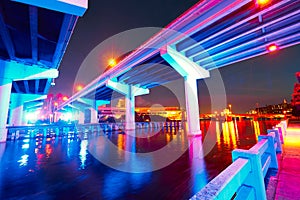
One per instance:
(33, 38)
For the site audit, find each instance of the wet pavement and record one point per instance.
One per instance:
(154, 164)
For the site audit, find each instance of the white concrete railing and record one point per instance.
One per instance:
(244, 178)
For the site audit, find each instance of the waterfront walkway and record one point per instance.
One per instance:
(285, 185)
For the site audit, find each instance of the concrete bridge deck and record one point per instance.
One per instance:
(285, 185)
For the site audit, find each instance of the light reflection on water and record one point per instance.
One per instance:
(64, 167)
(23, 161)
(197, 163)
(83, 153)
(256, 128)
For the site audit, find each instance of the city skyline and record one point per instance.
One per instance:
(262, 80)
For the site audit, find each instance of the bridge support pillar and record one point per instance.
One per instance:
(130, 114)
(92, 105)
(5, 90)
(190, 71)
(81, 117)
(192, 107)
(94, 115)
(130, 92)
(16, 117)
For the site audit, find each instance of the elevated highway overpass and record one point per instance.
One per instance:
(210, 35)
(34, 35)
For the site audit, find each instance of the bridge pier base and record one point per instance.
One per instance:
(191, 72)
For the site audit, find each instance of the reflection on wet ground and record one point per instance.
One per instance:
(155, 165)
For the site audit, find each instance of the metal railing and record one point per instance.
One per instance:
(15, 132)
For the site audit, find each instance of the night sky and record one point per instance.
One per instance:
(259, 81)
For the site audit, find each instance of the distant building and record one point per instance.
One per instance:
(118, 111)
(282, 108)
(296, 96)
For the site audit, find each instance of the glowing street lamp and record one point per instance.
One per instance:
(55, 104)
(272, 47)
(79, 87)
(263, 2)
(112, 62)
(65, 98)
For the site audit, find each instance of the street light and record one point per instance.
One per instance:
(272, 47)
(112, 62)
(262, 2)
(65, 98)
(79, 87)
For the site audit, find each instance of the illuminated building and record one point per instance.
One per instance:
(118, 111)
(281, 108)
(171, 113)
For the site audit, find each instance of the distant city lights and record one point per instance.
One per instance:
(272, 47)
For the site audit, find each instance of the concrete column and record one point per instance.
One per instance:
(17, 102)
(81, 117)
(130, 92)
(130, 114)
(5, 90)
(190, 71)
(192, 107)
(94, 115)
(16, 117)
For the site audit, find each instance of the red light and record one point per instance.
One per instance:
(262, 2)
(272, 47)
(65, 98)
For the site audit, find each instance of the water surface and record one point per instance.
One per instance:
(68, 167)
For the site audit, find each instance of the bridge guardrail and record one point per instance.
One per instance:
(244, 178)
